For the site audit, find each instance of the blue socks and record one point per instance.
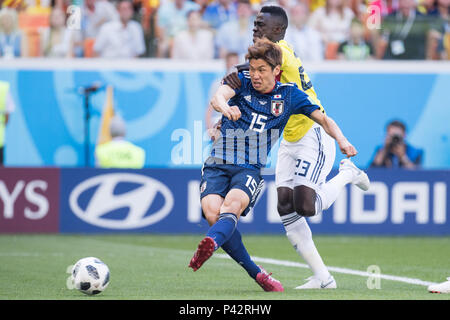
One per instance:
(226, 235)
(236, 250)
(222, 230)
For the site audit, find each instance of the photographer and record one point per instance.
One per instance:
(396, 152)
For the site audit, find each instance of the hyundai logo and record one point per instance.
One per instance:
(105, 200)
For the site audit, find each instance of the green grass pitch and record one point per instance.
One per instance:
(155, 267)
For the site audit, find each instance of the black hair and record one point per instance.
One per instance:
(278, 12)
(398, 124)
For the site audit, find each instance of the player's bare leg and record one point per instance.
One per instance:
(211, 207)
(304, 201)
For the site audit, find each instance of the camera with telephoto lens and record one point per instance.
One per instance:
(395, 140)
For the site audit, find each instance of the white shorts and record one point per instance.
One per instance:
(307, 161)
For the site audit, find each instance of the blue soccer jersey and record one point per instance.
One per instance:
(248, 141)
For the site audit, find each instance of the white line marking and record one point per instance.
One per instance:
(284, 263)
(365, 274)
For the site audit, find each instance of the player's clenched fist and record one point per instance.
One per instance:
(348, 149)
(233, 113)
(220, 103)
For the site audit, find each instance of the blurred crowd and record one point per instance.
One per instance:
(212, 29)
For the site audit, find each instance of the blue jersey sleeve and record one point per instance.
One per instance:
(244, 81)
(302, 103)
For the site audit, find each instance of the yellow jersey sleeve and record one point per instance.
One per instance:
(293, 71)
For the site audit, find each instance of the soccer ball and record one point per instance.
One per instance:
(90, 275)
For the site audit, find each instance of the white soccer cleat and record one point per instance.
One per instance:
(315, 283)
(443, 287)
(360, 178)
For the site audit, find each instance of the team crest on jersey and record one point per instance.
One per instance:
(277, 107)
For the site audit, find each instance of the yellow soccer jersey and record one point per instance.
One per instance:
(292, 71)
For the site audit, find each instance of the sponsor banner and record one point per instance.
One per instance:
(399, 202)
(167, 201)
(96, 200)
(29, 200)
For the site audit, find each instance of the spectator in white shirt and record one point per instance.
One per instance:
(95, 14)
(332, 21)
(195, 43)
(306, 41)
(236, 35)
(171, 20)
(123, 38)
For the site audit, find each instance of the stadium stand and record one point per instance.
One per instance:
(162, 20)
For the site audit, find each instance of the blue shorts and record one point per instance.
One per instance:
(221, 178)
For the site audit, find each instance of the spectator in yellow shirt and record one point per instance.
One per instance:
(119, 153)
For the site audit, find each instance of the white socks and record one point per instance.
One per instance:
(300, 236)
(298, 231)
(327, 194)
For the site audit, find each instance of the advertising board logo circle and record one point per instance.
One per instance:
(104, 200)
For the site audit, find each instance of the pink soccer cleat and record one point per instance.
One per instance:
(268, 283)
(204, 251)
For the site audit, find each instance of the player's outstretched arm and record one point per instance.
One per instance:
(334, 131)
(220, 102)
